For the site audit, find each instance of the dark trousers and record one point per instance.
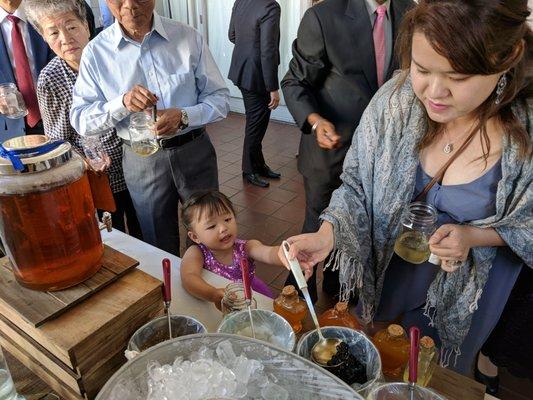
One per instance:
(257, 118)
(159, 182)
(317, 197)
(125, 218)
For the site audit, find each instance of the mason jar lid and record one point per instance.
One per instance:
(36, 152)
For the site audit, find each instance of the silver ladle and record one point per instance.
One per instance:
(323, 351)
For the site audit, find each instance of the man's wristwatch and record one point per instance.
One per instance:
(184, 119)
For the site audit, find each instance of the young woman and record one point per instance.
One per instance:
(462, 97)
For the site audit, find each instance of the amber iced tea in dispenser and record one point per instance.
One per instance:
(47, 217)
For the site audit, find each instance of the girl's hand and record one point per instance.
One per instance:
(218, 294)
(451, 243)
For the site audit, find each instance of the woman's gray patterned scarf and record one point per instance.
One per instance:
(378, 182)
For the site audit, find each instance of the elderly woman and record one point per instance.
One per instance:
(453, 130)
(63, 25)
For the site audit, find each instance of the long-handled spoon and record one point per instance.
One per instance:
(414, 337)
(167, 293)
(324, 349)
(245, 270)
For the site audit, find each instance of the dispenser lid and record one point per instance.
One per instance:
(35, 152)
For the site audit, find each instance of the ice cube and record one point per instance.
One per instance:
(225, 353)
(242, 370)
(274, 392)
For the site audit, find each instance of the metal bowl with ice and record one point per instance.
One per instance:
(360, 346)
(269, 327)
(402, 391)
(156, 331)
(211, 366)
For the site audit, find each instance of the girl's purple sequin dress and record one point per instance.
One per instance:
(233, 271)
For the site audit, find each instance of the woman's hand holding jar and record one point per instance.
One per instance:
(452, 243)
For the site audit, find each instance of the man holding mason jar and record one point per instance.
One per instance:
(141, 62)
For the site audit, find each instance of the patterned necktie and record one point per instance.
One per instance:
(23, 73)
(379, 42)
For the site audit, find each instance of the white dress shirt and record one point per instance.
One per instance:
(6, 26)
(173, 62)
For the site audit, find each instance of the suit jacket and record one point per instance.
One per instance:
(333, 73)
(254, 29)
(42, 54)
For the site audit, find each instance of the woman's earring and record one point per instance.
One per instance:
(502, 83)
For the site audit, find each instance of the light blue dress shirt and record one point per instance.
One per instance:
(107, 17)
(173, 62)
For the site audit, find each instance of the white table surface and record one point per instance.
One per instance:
(150, 257)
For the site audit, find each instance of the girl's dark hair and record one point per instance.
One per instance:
(478, 37)
(211, 202)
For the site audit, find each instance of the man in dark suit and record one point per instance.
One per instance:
(343, 53)
(21, 44)
(254, 29)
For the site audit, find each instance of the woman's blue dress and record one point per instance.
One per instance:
(406, 285)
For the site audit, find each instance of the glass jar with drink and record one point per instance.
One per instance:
(419, 222)
(234, 299)
(11, 102)
(142, 137)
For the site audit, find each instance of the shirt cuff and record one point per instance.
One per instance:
(195, 115)
(116, 108)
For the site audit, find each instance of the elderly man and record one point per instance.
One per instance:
(23, 54)
(141, 61)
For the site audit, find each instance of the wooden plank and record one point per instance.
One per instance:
(455, 386)
(26, 383)
(40, 370)
(118, 262)
(88, 355)
(39, 353)
(107, 318)
(94, 382)
(40, 307)
(99, 279)
(34, 305)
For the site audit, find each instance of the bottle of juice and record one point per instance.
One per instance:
(427, 359)
(339, 316)
(291, 307)
(393, 347)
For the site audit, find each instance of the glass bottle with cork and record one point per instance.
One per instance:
(427, 360)
(289, 305)
(393, 346)
(339, 316)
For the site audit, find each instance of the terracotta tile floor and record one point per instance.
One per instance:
(275, 213)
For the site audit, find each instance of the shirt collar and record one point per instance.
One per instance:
(19, 12)
(372, 6)
(119, 36)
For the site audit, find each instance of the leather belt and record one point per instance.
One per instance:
(175, 141)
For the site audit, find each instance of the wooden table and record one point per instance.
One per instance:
(452, 385)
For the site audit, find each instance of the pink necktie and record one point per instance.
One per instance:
(23, 73)
(379, 42)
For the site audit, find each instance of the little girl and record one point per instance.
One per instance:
(209, 218)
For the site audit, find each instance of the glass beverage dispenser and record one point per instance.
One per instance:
(47, 217)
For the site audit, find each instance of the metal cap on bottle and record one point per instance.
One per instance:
(37, 160)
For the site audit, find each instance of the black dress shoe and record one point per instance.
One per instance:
(255, 180)
(492, 383)
(266, 172)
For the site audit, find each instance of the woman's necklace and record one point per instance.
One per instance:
(448, 147)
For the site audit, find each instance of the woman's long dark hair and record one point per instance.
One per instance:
(478, 37)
